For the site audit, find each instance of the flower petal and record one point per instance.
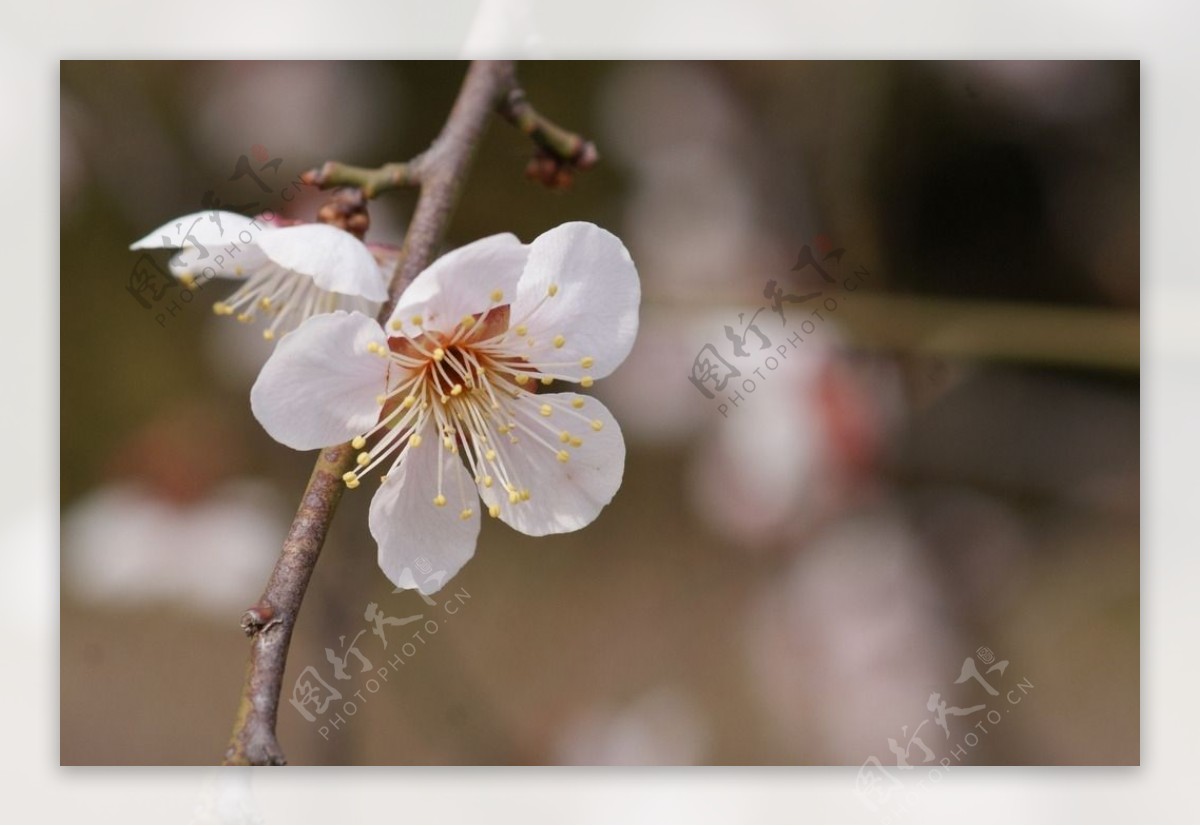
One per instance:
(564, 496)
(333, 258)
(421, 545)
(595, 303)
(203, 229)
(320, 386)
(463, 282)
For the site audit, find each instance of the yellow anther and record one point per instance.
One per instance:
(265, 303)
(545, 410)
(409, 401)
(467, 322)
(576, 441)
(396, 324)
(552, 290)
(560, 340)
(597, 424)
(521, 330)
(513, 497)
(466, 514)
(221, 308)
(381, 398)
(490, 455)
(417, 320)
(414, 440)
(586, 381)
(547, 380)
(245, 318)
(186, 279)
(358, 443)
(456, 390)
(525, 495)
(577, 403)
(562, 456)
(269, 335)
(238, 271)
(493, 511)
(372, 347)
(487, 481)
(447, 442)
(564, 437)
(586, 362)
(352, 484)
(521, 378)
(439, 500)
(383, 478)
(364, 458)
(497, 295)
(349, 477)
(439, 354)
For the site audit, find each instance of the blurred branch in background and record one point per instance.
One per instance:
(1038, 334)
(994, 331)
(440, 172)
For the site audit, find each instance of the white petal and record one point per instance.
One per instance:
(462, 282)
(210, 228)
(421, 545)
(564, 496)
(595, 307)
(333, 258)
(319, 387)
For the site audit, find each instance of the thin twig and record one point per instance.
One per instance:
(270, 622)
(560, 152)
(372, 182)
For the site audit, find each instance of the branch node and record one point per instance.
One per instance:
(258, 618)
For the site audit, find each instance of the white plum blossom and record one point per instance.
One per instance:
(447, 398)
(288, 272)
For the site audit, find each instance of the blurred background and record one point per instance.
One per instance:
(945, 469)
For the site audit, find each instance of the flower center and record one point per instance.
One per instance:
(471, 390)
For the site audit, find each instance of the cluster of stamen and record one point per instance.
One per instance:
(462, 387)
(285, 298)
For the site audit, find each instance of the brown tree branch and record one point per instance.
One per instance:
(271, 621)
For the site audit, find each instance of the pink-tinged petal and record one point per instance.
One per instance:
(465, 281)
(321, 385)
(422, 545)
(333, 258)
(593, 311)
(212, 229)
(563, 496)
